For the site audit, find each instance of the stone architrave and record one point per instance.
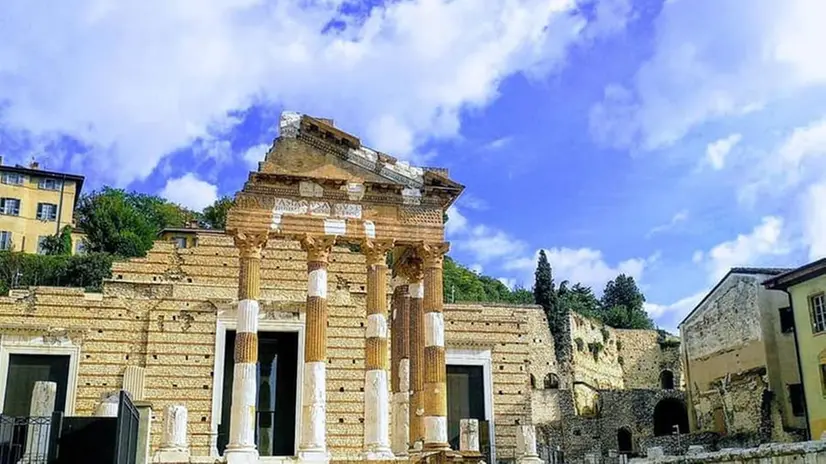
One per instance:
(376, 385)
(435, 368)
(312, 445)
(241, 448)
(526, 445)
(42, 406)
(109, 404)
(174, 446)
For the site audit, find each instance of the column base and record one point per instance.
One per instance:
(428, 447)
(321, 456)
(378, 454)
(241, 455)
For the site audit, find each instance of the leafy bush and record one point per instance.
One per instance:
(21, 270)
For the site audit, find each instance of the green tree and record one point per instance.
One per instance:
(623, 305)
(125, 224)
(544, 292)
(215, 215)
(579, 299)
(58, 244)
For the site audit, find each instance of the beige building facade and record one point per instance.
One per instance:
(35, 203)
(741, 362)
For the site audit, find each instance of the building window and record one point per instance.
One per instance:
(180, 242)
(46, 211)
(817, 304)
(551, 381)
(796, 398)
(49, 184)
(786, 320)
(10, 206)
(5, 240)
(667, 380)
(13, 178)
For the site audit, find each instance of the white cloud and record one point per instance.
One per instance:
(255, 154)
(717, 151)
(470, 201)
(814, 218)
(456, 222)
(131, 97)
(669, 315)
(477, 268)
(498, 144)
(190, 191)
(766, 240)
(713, 58)
(678, 218)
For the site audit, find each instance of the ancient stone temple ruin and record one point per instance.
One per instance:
(320, 188)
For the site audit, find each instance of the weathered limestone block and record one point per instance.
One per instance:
(469, 435)
(108, 406)
(655, 452)
(174, 447)
(42, 405)
(526, 445)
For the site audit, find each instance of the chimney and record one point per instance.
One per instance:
(34, 165)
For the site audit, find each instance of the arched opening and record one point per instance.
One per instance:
(551, 381)
(669, 414)
(533, 381)
(624, 440)
(667, 380)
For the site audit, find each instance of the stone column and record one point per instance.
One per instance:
(376, 365)
(469, 435)
(109, 405)
(241, 447)
(400, 367)
(313, 439)
(42, 407)
(526, 445)
(415, 275)
(435, 370)
(174, 447)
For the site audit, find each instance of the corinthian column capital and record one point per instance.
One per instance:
(433, 254)
(376, 250)
(411, 269)
(249, 243)
(318, 248)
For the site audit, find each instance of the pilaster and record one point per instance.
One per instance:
(313, 436)
(435, 369)
(376, 401)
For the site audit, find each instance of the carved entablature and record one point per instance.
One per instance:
(320, 180)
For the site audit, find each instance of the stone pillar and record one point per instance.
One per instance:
(435, 370)
(42, 406)
(526, 445)
(174, 447)
(241, 447)
(134, 382)
(415, 276)
(144, 431)
(313, 439)
(400, 368)
(109, 404)
(469, 435)
(376, 364)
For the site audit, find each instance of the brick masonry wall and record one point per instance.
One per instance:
(160, 312)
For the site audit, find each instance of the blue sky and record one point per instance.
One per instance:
(667, 140)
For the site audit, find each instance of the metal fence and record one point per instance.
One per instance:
(26, 440)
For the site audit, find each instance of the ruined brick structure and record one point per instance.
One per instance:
(743, 373)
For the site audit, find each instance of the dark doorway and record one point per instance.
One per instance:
(276, 412)
(668, 415)
(667, 380)
(551, 381)
(465, 398)
(24, 371)
(625, 443)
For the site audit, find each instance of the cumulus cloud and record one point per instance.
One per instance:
(717, 151)
(255, 154)
(711, 59)
(132, 81)
(765, 241)
(190, 191)
(671, 314)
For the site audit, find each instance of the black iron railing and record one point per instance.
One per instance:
(26, 440)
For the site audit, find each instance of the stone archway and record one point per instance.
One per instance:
(668, 413)
(551, 381)
(667, 380)
(625, 440)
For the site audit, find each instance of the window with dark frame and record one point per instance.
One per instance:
(786, 320)
(10, 206)
(46, 211)
(817, 306)
(797, 400)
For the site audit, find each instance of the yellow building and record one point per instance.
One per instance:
(34, 204)
(806, 287)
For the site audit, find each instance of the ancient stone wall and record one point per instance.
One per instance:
(595, 354)
(778, 453)
(645, 356)
(159, 312)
